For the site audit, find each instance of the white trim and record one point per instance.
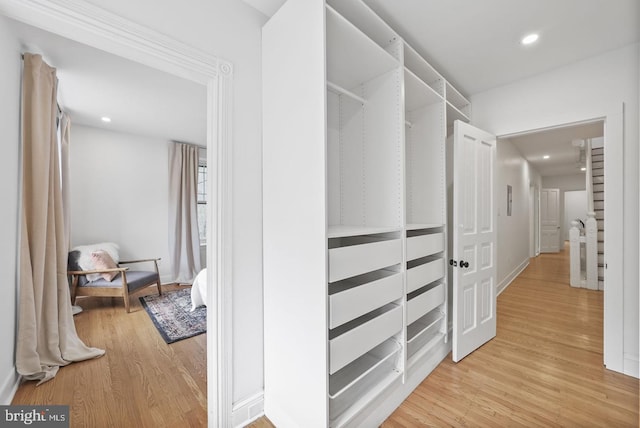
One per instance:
(85, 23)
(613, 117)
(9, 388)
(615, 238)
(248, 410)
(513, 275)
(632, 365)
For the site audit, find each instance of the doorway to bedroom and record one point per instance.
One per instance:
(132, 371)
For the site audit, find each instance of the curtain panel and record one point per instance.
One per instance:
(47, 337)
(184, 240)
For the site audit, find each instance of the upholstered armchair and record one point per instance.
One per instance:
(95, 270)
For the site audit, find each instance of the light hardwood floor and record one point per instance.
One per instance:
(140, 381)
(543, 369)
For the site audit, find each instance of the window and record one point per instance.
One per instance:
(202, 202)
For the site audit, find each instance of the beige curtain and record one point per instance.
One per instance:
(47, 337)
(184, 241)
(64, 137)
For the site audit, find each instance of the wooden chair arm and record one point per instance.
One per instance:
(85, 272)
(139, 261)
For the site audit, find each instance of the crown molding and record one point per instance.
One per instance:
(94, 26)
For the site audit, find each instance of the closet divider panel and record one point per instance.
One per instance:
(426, 165)
(384, 151)
(294, 213)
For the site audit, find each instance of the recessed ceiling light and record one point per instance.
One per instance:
(105, 119)
(583, 169)
(529, 38)
(545, 157)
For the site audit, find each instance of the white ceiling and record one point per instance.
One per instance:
(558, 144)
(473, 43)
(140, 100)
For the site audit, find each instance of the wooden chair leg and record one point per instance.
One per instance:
(125, 292)
(155, 262)
(74, 288)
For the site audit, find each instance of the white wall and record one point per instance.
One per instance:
(10, 70)
(513, 231)
(231, 30)
(585, 90)
(119, 193)
(564, 183)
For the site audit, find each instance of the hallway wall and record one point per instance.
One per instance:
(513, 231)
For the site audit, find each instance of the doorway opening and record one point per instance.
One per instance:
(100, 29)
(563, 171)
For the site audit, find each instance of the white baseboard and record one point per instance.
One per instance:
(248, 410)
(9, 387)
(513, 275)
(631, 365)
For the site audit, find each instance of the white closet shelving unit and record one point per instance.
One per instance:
(426, 207)
(354, 163)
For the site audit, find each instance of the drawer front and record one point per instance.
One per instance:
(424, 303)
(356, 342)
(354, 302)
(424, 245)
(345, 262)
(422, 275)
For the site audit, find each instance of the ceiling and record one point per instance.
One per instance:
(139, 100)
(473, 43)
(558, 144)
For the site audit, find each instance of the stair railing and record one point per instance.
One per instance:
(591, 225)
(577, 263)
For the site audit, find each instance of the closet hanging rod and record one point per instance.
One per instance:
(342, 91)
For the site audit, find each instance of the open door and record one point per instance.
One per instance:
(474, 239)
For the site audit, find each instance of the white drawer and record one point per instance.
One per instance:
(424, 303)
(422, 275)
(424, 245)
(349, 304)
(359, 340)
(345, 262)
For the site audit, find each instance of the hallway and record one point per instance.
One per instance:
(544, 368)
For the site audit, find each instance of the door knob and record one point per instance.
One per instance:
(464, 264)
(453, 263)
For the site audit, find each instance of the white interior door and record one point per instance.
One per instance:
(550, 220)
(474, 240)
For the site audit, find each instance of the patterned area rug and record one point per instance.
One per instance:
(170, 314)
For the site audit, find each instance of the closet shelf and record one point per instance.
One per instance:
(352, 57)
(339, 90)
(422, 325)
(417, 93)
(417, 226)
(454, 113)
(341, 231)
(423, 70)
(361, 15)
(456, 98)
(363, 366)
(416, 351)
